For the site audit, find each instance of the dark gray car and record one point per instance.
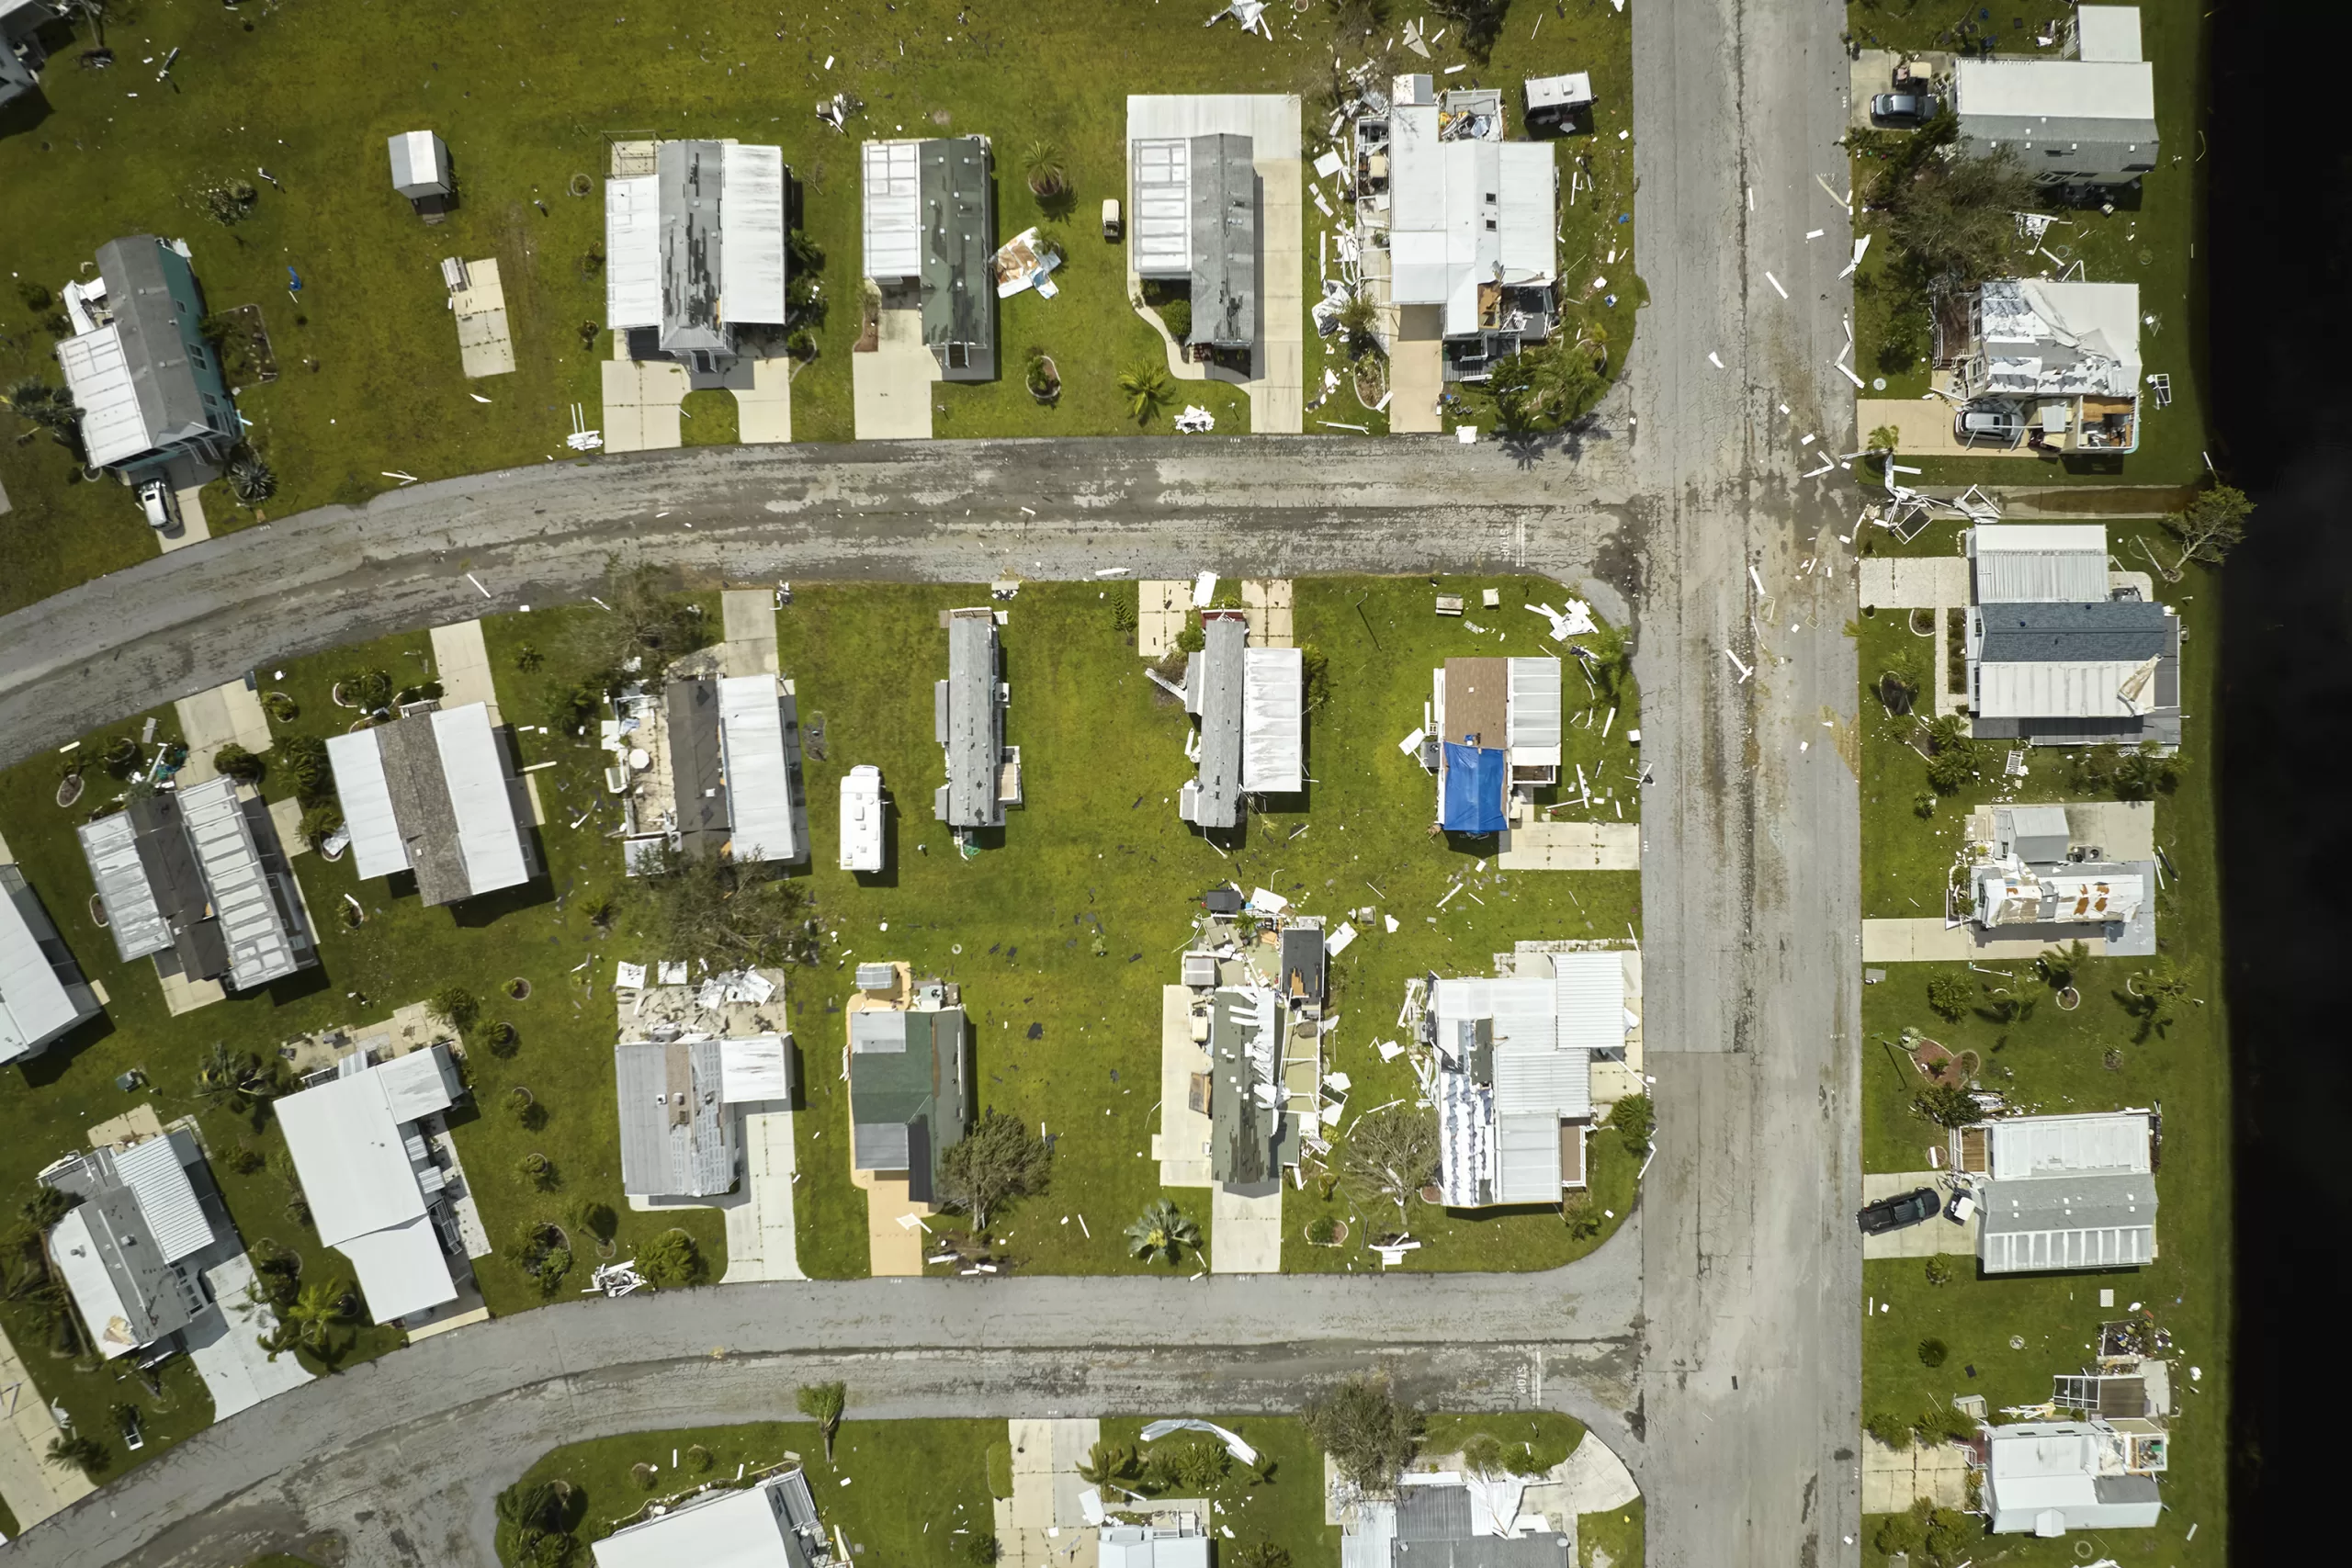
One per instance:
(1906, 108)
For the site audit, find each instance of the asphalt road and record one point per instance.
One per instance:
(952, 511)
(1716, 1345)
(1750, 876)
(404, 1456)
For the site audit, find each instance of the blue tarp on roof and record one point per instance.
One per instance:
(1475, 779)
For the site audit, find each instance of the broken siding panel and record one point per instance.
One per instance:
(1274, 701)
(753, 261)
(1532, 722)
(260, 947)
(893, 216)
(632, 253)
(110, 845)
(1160, 220)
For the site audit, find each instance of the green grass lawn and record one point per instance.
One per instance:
(1612, 1539)
(2048, 1060)
(369, 374)
(1073, 924)
(1545, 1437)
(898, 1490)
(2150, 240)
(1286, 1508)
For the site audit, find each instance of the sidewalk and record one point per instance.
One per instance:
(35, 1487)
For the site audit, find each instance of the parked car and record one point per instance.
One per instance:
(1988, 425)
(162, 508)
(1898, 1213)
(1906, 108)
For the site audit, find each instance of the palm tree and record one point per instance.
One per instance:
(1146, 390)
(318, 1309)
(1164, 1231)
(227, 1078)
(252, 481)
(1041, 162)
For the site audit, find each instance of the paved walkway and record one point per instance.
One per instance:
(892, 383)
(223, 1344)
(35, 1486)
(484, 342)
(763, 404)
(748, 618)
(1268, 604)
(761, 1241)
(461, 663)
(1929, 940)
(1893, 1479)
(1041, 1526)
(1928, 1239)
(192, 530)
(641, 398)
(1245, 1233)
(210, 720)
(1416, 370)
(1572, 846)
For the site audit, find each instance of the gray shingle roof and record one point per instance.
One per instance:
(1212, 691)
(958, 255)
(1225, 242)
(2116, 631)
(677, 1136)
(694, 771)
(972, 721)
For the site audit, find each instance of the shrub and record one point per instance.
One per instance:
(123, 756)
(1191, 639)
(597, 1219)
(234, 761)
(1633, 1119)
(1323, 1230)
(1950, 995)
(457, 1005)
(1000, 1469)
(980, 1549)
(1889, 1428)
(699, 1456)
(1923, 805)
(538, 1170)
(319, 824)
(1191, 1467)
(1941, 1423)
(571, 709)
(1939, 1272)
(280, 708)
(1260, 1554)
(1176, 315)
(1948, 1105)
(1933, 1353)
(1898, 1533)
(644, 1475)
(370, 688)
(671, 1260)
(1484, 1455)
(528, 658)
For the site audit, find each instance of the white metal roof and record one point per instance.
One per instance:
(2069, 1246)
(1144, 1546)
(1529, 188)
(418, 168)
(114, 428)
(33, 1003)
(1521, 1009)
(2040, 563)
(2025, 1147)
(1527, 1153)
(893, 219)
(402, 1268)
(718, 1529)
(480, 799)
(152, 1171)
(759, 776)
(1463, 213)
(861, 818)
(1543, 1083)
(110, 846)
(92, 1285)
(417, 1084)
(1588, 991)
(753, 1070)
(1532, 720)
(358, 763)
(1565, 92)
(2108, 32)
(1160, 208)
(1273, 696)
(350, 1156)
(751, 262)
(260, 947)
(632, 253)
(2062, 688)
(2059, 89)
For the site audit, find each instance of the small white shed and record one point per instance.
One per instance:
(420, 165)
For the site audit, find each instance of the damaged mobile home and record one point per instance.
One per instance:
(930, 241)
(1250, 705)
(2060, 651)
(967, 707)
(709, 765)
(434, 792)
(1492, 729)
(694, 251)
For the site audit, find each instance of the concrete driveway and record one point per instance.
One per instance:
(890, 383)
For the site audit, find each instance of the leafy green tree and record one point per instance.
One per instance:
(743, 914)
(319, 824)
(2147, 773)
(457, 1004)
(2211, 527)
(315, 1312)
(1933, 1353)
(1955, 218)
(1545, 388)
(1484, 1455)
(997, 1160)
(236, 1080)
(1369, 1433)
(1163, 1232)
(2059, 966)
(1389, 1156)
(234, 760)
(823, 1403)
(535, 1522)
(1948, 1105)
(980, 1549)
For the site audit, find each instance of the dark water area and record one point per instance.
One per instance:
(2279, 330)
